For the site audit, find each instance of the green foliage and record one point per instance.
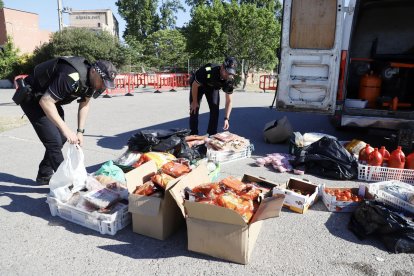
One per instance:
(140, 16)
(83, 42)
(168, 10)
(165, 48)
(246, 31)
(8, 60)
(1, 4)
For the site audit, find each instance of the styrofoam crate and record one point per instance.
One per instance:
(377, 189)
(228, 155)
(103, 223)
(377, 174)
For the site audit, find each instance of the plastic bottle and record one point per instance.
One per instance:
(385, 156)
(409, 161)
(397, 159)
(364, 154)
(375, 158)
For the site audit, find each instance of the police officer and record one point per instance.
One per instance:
(55, 83)
(208, 80)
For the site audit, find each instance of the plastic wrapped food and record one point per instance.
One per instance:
(233, 183)
(209, 190)
(232, 201)
(160, 158)
(161, 179)
(175, 169)
(148, 188)
(102, 198)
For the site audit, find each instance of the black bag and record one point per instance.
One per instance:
(23, 91)
(375, 219)
(157, 140)
(328, 158)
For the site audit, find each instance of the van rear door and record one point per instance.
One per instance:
(310, 55)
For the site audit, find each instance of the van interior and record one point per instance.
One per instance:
(381, 54)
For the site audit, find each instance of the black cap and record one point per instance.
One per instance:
(107, 71)
(230, 64)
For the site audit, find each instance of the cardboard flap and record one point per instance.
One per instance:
(269, 208)
(140, 175)
(260, 180)
(213, 213)
(144, 205)
(196, 177)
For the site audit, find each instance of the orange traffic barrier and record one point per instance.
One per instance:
(267, 82)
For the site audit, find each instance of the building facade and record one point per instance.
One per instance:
(98, 20)
(23, 28)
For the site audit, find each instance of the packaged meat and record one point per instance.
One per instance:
(175, 169)
(161, 179)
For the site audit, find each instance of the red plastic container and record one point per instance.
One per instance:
(364, 154)
(409, 161)
(385, 156)
(375, 158)
(397, 159)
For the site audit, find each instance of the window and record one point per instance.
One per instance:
(313, 24)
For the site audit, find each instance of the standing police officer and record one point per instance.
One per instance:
(208, 80)
(55, 83)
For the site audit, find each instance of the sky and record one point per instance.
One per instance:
(48, 15)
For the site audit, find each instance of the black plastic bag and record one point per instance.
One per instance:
(192, 154)
(156, 140)
(328, 158)
(375, 219)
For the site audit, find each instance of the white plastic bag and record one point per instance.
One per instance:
(71, 172)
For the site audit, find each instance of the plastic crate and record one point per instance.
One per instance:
(380, 194)
(377, 174)
(228, 155)
(103, 223)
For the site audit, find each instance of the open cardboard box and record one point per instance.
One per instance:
(334, 205)
(152, 216)
(218, 231)
(295, 201)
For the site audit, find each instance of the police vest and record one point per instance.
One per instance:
(45, 71)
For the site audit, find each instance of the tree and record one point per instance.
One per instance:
(168, 10)
(141, 17)
(165, 48)
(1, 4)
(9, 57)
(248, 32)
(83, 42)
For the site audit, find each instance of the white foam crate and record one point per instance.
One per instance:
(229, 155)
(377, 174)
(103, 223)
(377, 189)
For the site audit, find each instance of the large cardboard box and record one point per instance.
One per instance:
(218, 231)
(151, 216)
(295, 201)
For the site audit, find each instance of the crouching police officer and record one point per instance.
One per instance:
(208, 80)
(55, 83)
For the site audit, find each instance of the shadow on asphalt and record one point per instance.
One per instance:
(337, 224)
(247, 122)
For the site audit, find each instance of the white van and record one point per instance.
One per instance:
(328, 52)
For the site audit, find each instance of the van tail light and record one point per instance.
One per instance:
(340, 94)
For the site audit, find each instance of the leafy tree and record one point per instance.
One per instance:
(245, 31)
(168, 10)
(165, 48)
(1, 4)
(195, 3)
(83, 42)
(141, 17)
(9, 57)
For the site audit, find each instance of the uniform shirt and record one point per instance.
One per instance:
(65, 84)
(209, 76)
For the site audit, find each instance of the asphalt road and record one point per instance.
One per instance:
(32, 242)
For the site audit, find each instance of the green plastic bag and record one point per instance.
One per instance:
(113, 171)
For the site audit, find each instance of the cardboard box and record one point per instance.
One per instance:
(334, 205)
(151, 216)
(295, 201)
(218, 231)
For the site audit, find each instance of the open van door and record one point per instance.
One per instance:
(310, 55)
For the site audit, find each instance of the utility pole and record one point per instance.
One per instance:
(60, 15)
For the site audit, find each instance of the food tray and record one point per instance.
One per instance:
(227, 155)
(377, 174)
(376, 189)
(103, 223)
